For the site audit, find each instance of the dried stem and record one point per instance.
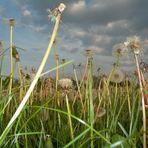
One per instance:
(143, 101)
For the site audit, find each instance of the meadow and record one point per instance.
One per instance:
(94, 110)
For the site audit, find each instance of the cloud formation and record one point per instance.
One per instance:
(95, 24)
(27, 13)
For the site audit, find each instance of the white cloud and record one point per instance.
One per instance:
(38, 28)
(106, 3)
(79, 6)
(27, 13)
(78, 32)
(111, 26)
(70, 46)
(114, 24)
(98, 39)
(97, 25)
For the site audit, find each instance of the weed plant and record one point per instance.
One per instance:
(93, 111)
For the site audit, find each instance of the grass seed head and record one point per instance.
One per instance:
(22, 73)
(33, 72)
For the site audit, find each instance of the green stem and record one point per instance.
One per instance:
(21, 82)
(143, 103)
(91, 107)
(75, 74)
(128, 98)
(1, 79)
(69, 118)
(26, 97)
(11, 67)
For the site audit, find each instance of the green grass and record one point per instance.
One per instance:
(69, 123)
(93, 113)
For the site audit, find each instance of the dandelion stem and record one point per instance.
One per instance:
(11, 67)
(91, 107)
(69, 118)
(26, 97)
(143, 103)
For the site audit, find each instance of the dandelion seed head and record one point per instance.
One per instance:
(61, 7)
(54, 13)
(119, 50)
(101, 112)
(133, 43)
(117, 76)
(65, 83)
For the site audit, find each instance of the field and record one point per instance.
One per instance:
(93, 111)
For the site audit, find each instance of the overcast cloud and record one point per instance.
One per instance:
(95, 24)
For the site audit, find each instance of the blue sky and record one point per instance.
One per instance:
(95, 24)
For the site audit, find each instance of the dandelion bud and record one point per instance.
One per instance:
(11, 22)
(57, 57)
(63, 61)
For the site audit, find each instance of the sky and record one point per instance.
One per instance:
(85, 24)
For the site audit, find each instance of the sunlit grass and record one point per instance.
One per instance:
(93, 111)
